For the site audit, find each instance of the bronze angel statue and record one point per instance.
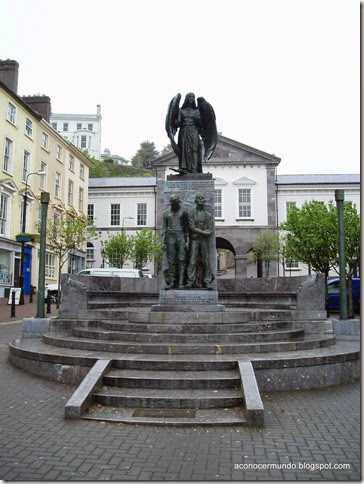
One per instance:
(194, 122)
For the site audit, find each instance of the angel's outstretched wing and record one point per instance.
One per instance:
(172, 115)
(209, 130)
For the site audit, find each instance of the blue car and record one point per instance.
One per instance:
(333, 291)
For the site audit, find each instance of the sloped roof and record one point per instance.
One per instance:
(321, 179)
(122, 182)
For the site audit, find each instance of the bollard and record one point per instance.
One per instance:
(12, 314)
(48, 303)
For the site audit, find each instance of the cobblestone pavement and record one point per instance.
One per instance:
(307, 435)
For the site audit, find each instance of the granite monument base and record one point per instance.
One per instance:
(180, 300)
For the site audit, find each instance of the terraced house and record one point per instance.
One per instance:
(29, 146)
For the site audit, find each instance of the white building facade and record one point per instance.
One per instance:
(249, 198)
(82, 130)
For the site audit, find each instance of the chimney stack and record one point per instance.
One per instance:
(40, 104)
(9, 74)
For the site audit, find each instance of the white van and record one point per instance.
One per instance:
(111, 272)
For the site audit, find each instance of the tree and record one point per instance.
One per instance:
(147, 247)
(167, 149)
(352, 249)
(65, 234)
(118, 249)
(145, 156)
(266, 248)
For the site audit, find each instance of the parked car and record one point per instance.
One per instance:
(333, 291)
(52, 289)
(111, 272)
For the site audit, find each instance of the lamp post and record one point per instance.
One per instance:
(25, 196)
(124, 218)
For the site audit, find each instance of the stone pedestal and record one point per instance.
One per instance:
(197, 299)
(241, 266)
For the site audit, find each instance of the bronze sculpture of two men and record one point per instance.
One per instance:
(186, 237)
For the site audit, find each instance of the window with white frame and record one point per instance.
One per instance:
(8, 155)
(245, 203)
(218, 203)
(44, 140)
(50, 265)
(91, 212)
(83, 141)
(4, 205)
(80, 200)
(82, 171)
(11, 116)
(65, 126)
(29, 127)
(71, 163)
(291, 264)
(79, 125)
(90, 126)
(42, 178)
(59, 153)
(54, 126)
(57, 190)
(26, 165)
(90, 251)
(289, 205)
(115, 214)
(70, 192)
(142, 214)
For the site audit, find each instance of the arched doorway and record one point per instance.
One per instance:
(225, 256)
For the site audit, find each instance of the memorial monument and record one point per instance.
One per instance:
(189, 265)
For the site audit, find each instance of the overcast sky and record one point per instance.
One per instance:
(283, 76)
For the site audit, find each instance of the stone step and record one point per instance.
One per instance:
(167, 416)
(169, 338)
(304, 343)
(180, 328)
(172, 379)
(164, 398)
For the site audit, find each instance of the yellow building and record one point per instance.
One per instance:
(28, 145)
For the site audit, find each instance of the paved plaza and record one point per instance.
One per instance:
(308, 435)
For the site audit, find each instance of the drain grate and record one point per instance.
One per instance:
(165, 412)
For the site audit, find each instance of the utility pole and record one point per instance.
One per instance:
(44, 200)
(339, 198)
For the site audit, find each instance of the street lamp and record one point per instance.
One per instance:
(122, 225)
(25, 196)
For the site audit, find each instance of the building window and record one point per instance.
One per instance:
(291, 264)
(218, 203)
(29, 127)
(26, 165)
(50, 267)
(90, 251)
(71, 163)
(39, 223)
(90, 212)
(44, 140)
(59, 153)
(80, 200)
(245, 209)
(42, 178)
(54, 126)
(82, 171)
(8, 156)
(11, 113)
(90, 126)
(142, 214)
(83, 141)
(4, 199)
(289, 205)
(70, 192)
(57, 192)
(79, 125)
(115, 214)
(65, 126)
